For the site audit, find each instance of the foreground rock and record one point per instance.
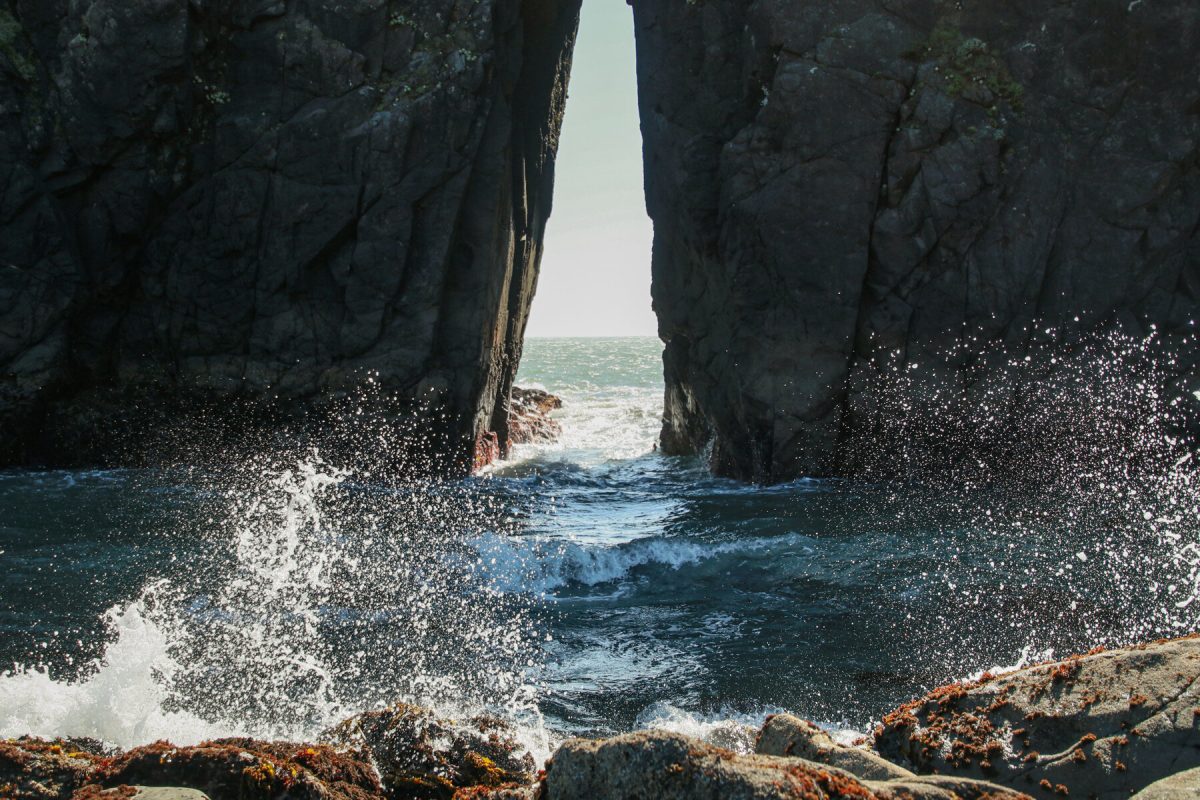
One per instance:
(32, 768)
(836, 182)
(272, 202)
(1103, 725)
(529, 419)
(669, 766)
(422, 756)
(227, 768)
(1183, 786)
(785, 735)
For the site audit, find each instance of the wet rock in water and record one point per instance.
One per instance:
(664, 766)
(35, 768)
(1102, 725)
(1181, 786)
(419, 755)
(785, 735)
(529, 417)
(245, 768)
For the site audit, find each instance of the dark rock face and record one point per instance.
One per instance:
(269, 201)
(833, 181)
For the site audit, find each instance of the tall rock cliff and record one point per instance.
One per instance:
(831, 180)
(269, 201)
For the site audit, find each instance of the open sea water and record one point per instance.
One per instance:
(584, 587)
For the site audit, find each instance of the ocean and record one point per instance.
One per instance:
(584, 587)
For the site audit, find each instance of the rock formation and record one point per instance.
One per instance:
(529, 416)
(670, 766)
(270, 202)
(1106, 725)
(1103, 725)
(831, 182)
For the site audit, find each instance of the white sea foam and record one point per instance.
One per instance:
(524, 564)
(317, 602)
(122, 700)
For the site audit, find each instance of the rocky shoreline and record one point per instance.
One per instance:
(1107, 724)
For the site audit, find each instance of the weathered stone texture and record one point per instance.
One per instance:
(831, 181)
(1105, 725)
(269, 200)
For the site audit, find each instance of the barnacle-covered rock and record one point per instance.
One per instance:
(420, 755)
(237, 768)
(669, 766)
(1100, 725)
(35, 768)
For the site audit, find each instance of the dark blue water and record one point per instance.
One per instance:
(592, 585)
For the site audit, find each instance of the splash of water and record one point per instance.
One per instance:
(316, 597)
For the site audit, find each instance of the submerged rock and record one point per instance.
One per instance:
(1102, 725)
(529, 419)
(669, 766)
(420, 755)
(785, 735)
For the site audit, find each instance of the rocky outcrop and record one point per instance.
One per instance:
(228, 768)
(1182, 786)
(1103, 725)
(418, 754)
(31, 768)
(272, 203)
(669, 766)
(529, 416)
(401, 753)
(835, 182)
(785, 735)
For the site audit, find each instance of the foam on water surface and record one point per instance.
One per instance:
(592, 585)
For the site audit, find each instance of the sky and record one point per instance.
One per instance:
(595, 276)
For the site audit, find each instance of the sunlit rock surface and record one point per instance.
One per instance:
(669, 765)
(835, 182)
(1103, 725)
(271, 202)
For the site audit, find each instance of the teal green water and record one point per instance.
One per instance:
(590, 585)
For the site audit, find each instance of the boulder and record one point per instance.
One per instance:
(34, 768)
(785, 735)
(1103, 725)
(244, 768)
(1180, 786)
(669, 766)
(93, 792)
(80, 769)
(419, 755)
(529, 419)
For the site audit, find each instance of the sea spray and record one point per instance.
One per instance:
(314, 597)
(644, 591)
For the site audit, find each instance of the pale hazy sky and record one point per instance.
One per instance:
(595, 278)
